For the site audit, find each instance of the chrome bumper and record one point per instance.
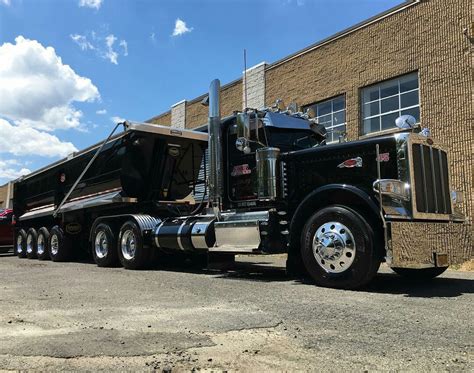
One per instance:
(424, 245)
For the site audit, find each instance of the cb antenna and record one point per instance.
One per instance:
(245, 78)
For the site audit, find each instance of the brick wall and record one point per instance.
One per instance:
(433, 37)
(426, 37)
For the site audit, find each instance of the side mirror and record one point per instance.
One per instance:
(243, 145)
(406, 122)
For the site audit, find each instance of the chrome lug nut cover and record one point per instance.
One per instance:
(334, 247)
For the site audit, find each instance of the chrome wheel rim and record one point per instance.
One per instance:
(40, 244)
(54, 244)
(101, 245)
(19, 244)
(128, 245)
(334, 247)
(29, 244)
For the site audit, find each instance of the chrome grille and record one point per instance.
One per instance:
(431, 180)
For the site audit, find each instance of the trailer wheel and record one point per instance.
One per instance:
(133, 254)
(20, 244)
(42, 244)
(59, 246)
(422, 274)
(338, 248)
(31, 241)
(104, 246)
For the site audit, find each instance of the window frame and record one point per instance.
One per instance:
(379, 99)
(332, 113)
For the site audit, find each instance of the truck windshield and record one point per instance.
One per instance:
(291, 139)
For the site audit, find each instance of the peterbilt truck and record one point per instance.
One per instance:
(256, 182)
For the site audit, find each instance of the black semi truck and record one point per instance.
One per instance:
(256, 182)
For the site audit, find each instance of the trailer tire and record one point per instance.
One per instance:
(31, 244)
(104, 246)
(20, 244)
(132, 252)
(59, 245)
(42, 244)
(422, 274)
(338, 248)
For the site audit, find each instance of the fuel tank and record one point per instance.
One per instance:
(146, 162)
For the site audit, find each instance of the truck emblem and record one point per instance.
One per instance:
(384, 157)
(241, 169)
(351, 163)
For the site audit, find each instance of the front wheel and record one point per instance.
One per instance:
(338, 248)
(422, 274)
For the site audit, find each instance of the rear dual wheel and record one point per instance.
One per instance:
(42, 244)
(59, 245)
(104, 246)
(127, 249)
(20, 243)
(31, 244)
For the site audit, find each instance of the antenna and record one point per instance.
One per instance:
(245, 78)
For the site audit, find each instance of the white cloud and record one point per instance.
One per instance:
(110, 54)
(180, 28)
(153, 37)
(117, 119)
(103, 46)
(124, 45)
(20, 140)
(82, 41)
(90, 3)
(38, 89)
(101, 112)
(11, 169)
(5, 2)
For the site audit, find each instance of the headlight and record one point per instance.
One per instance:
(393, 188)
(457, 197)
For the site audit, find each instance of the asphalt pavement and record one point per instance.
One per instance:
(251, 317)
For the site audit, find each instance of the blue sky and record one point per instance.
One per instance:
(125, 61)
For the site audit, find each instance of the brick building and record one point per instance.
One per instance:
(413, 59)
(6, 195)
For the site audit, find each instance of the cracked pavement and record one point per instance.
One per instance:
(76, 316)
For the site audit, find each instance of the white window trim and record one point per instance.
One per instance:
(379, 100)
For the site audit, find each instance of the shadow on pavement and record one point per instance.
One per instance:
(441, 287)
(269, 271)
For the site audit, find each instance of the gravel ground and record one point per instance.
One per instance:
(76, 316)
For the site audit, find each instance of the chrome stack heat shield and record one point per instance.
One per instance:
(216, 171)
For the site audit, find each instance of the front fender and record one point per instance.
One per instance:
(333, 194)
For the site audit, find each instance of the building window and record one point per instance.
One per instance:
(332, 114)
(384, 102)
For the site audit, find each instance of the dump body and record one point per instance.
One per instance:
(144, 162)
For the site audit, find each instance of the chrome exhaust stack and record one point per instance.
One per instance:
(215, 150)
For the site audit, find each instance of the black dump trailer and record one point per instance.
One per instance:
(258, 182)
(146, 170)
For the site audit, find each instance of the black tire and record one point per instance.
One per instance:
(340, 231)
(138, 258)
(104, 246)
(20, 243)
(59, 245)
(42, 244)
(422, 274)
(31, 239)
